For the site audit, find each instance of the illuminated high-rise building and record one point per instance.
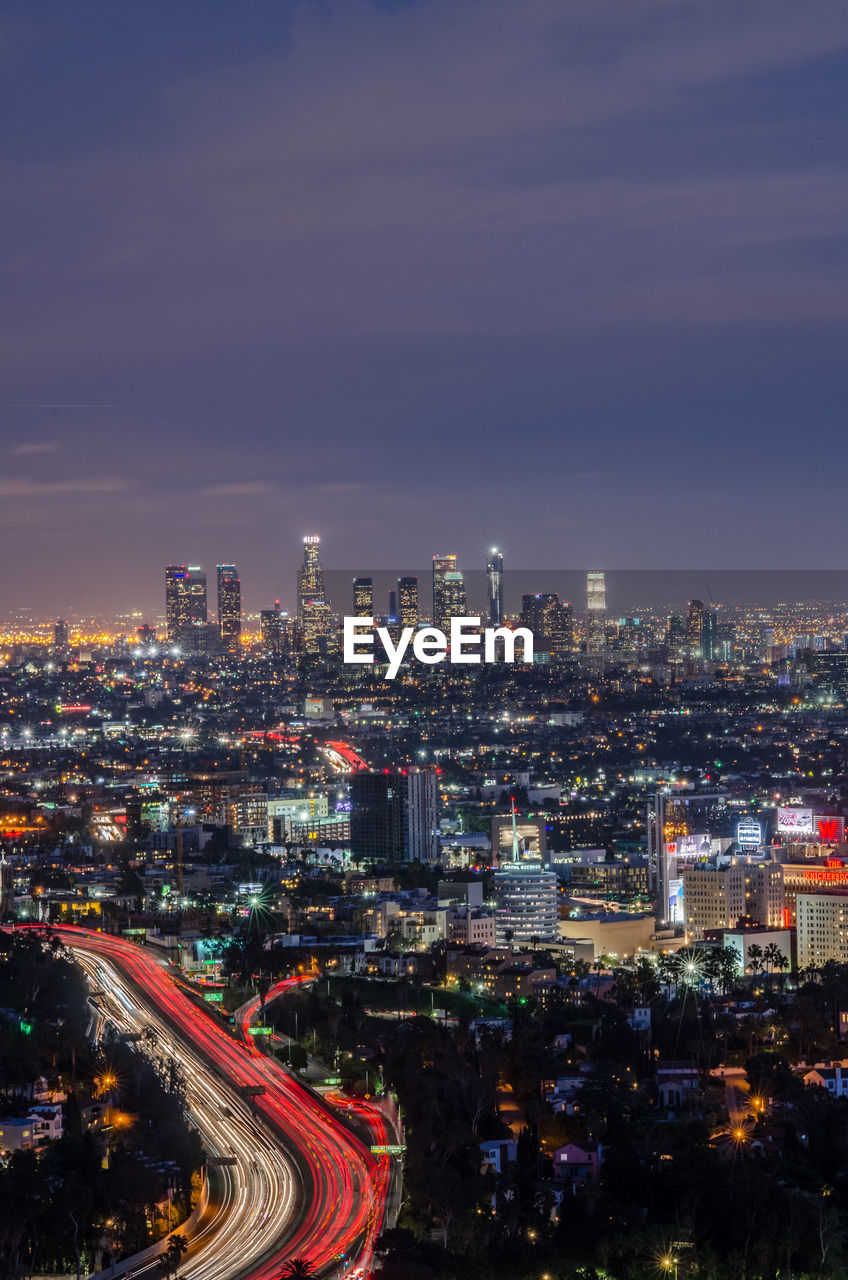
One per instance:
(442, 566)
(61, 634)
(229, 606)
(695, 628)
(395, 816)
(709, 636)
(195, 637)
(313, 610)
(176, 602)
(363, 598)
(551, 622)
(310, 577)
(494, 587)
(453, 599)
(596, 609)
(527, 898)
(274, 631)
(407, 594)
(675, 635)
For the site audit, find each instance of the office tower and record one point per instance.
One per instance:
(709, 636)
(679, 828)
(596, 608)
(421, 816)
(313, 610)
(176, 602)
(695, 628)
(363, 598)
(393, 605)
(407, 590)
(395, 816)
(442, 566)
(675, 636)
(310, 577)
(273, 628)
(61, 633)
(376, 816)
(229, 606)
(550, 621)
(196, 635)
(453, 596)
(718, 898)
(527, 898)
(631, 635)
(822, 922)
(494, 585)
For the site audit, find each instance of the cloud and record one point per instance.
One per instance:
(237, 489)
(36, 446)
(26, 488)
(479, 168)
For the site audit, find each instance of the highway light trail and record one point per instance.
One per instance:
(320, 1198)
(366, 1114)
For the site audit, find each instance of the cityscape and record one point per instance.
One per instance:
(423, 640)
(357, 974)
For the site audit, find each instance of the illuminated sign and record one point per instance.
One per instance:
(831, 830)
(690, 846)
(749, 834)
(829, 876)
(794, 821)
(675, 901)
(389, 1149)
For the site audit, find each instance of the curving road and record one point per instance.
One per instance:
(301, 1184)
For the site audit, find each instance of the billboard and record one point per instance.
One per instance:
(829, 830)
(794, 821)
(690, 846)
(675, 901)
(749, 834)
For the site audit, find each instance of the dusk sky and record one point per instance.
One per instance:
(565, 275)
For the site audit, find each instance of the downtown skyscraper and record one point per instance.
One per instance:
(186, 607)
(596, 617)
(448, 592)
(494, 587)
(407, 597)
(229, 607)
(313, 610)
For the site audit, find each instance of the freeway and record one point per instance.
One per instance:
(369, 1117)
(302, 1185)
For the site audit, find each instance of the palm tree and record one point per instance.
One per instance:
(755, 958)
(770, 954)
(173, 1255)
(781, 963)
(298, 1269)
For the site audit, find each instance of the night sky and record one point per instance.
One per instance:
(568, 276)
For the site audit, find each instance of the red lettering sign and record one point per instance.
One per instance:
(828, 830)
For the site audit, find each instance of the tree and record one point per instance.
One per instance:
(298, 1269)
(755, 958)
(770, 954)
(781, 963)
(173, 1255)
